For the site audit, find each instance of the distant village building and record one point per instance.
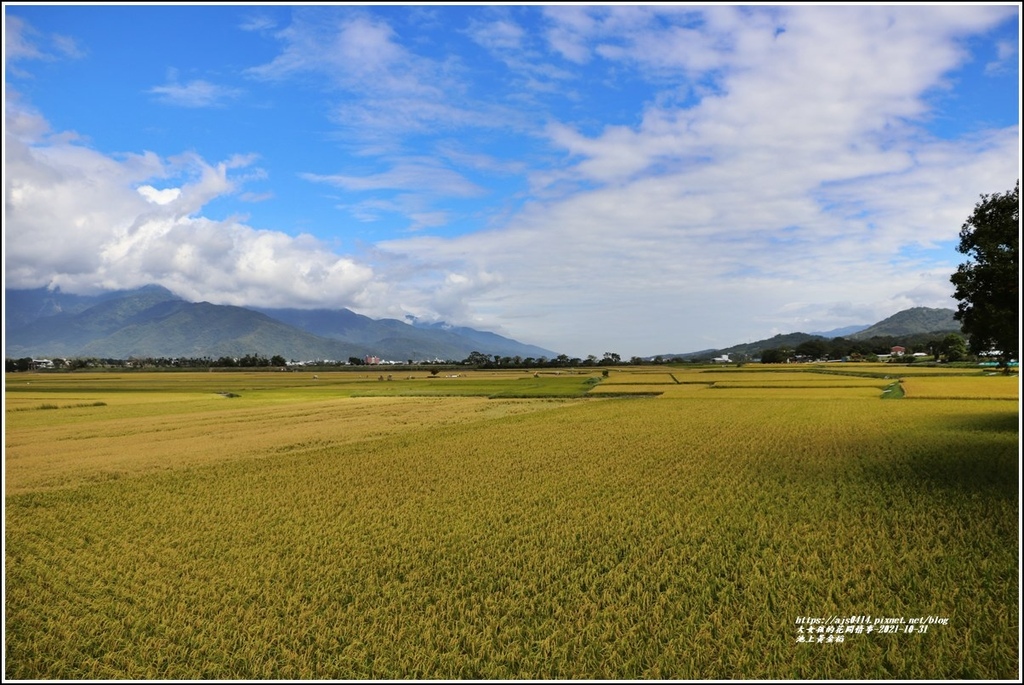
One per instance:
(370, 359)
(898, 351)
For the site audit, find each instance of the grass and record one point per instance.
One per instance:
(894, 391)
(293, 534)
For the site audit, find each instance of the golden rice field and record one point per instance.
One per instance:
(629, 378)
(511, 526)
(992, 387)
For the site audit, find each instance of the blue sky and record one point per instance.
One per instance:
(625, 178)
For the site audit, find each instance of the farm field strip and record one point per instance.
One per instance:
(986, 387)
(895, 369)
(629, 389)
(90, 444)
(807, 392)
(746, 372)
(753, 391)
(291, 386)
(628, 378)
(808, 381)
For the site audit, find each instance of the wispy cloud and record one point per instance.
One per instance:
(497, 35)
(255, 197)
(418, 175)
(570, 29)
(530, 71)
(393, 91)
(68, 47)
(23, 42)
(258, 22)
(454, 152)
(18, 40)
(1006, 54)
(197, 93)
(354, 52)
(802, 153)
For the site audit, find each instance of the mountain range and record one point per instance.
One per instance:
(154, 322)
(909, 323)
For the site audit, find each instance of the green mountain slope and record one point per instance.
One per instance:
(184, 329)
(153, 322)
(905, 326)
(912, 321)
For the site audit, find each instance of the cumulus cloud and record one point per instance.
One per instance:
(159, 197)
(87, 221)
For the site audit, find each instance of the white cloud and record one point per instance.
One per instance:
(497, 35)
(23, 42)
(1006, 55)
(256, 197)
(397, 91)
(479, 161)
(569, 30)
(67, 46)
(258, 22)
(419, 175)
(358, 52)
(18, 43)
(804, 176)
(196, 93)
(21, 121)
(159, 197)
(86, 221)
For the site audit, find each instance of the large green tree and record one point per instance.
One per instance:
(987, 285)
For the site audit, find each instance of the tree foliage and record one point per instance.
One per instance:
(953, 348)
(775, 356)
(987, 285)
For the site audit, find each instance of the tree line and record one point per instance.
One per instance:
(475, 359)
(951, 347)
(77, 363)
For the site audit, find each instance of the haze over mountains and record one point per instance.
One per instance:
(153, 322)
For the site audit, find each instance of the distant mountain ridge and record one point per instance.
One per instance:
(916, 321)
(843, 332)
(154, 322)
